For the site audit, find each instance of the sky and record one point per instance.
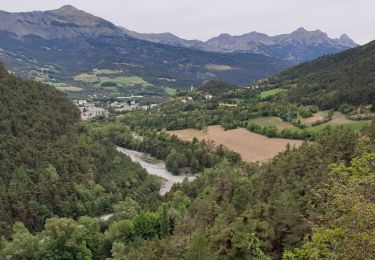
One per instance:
(203, 19)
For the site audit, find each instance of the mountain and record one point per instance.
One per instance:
(298, 46)
(67, 45)
(65, 22)
(165, 38)
(344, 78)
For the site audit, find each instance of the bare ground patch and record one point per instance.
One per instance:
(251, 146)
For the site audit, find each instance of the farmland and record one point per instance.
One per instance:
(251, 146)
(103, 77)
(338, 119)
(270, 93)
(65, 87)
(270, 121)
(216, 67)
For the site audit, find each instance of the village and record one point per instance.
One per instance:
(90, 109)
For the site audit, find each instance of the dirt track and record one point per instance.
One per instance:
(251, 146)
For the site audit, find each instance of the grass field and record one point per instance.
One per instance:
(272, 120)
(251, 146)
(69, 89)
(357, 126)
(64, 87)
(119, 81)
(338, 118)
(272, 92)
(217, 67)
(317, 116)
(124, 81)
(99, 72)
(100, 76)
(87, 77)
(170, 91)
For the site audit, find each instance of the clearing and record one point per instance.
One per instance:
(64, 87)
(271, 121)
(170, 91)
(272, 92)
(252, 147)
(99, 72)
(217, 67)
(125, 81)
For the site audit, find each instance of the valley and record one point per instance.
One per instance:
(122, 145)
(98, 58)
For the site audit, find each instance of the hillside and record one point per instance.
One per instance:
(66, 45)
(347, 77)
(58, 175)
(51, 166)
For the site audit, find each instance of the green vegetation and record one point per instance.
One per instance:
(331, 81)
(100, 72)
(52, 165)
(217, 86)
(270, 93)
(216, 67)
(150, 159)
(123, 81)
(357, 126)
(65, 61)
(271, 121)
(64, 87)
(59, 175)
(170, 91)
(87, 77)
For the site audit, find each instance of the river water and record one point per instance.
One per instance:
(158, 169)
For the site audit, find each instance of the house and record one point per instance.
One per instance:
(89, 110)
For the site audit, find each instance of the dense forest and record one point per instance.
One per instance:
(58, 175)
(51, 166)
(330, 81)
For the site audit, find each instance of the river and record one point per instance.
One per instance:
(157, 169)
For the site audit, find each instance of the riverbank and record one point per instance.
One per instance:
(158, 169)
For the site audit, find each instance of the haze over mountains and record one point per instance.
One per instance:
(298, 46)
(55, 46)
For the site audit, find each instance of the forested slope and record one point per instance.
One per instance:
(51, 166)
(346, 77)
(312, 202)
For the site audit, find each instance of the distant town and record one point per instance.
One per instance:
(90, 109)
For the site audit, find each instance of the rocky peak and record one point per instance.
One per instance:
(73, 15)
(67, 9)
(345, 40)
(65, 22)
(300, 30)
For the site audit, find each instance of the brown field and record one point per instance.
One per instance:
(251, 146)
(270, 121)
(338, 118)
(317, 116)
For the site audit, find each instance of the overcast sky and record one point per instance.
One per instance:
(202, 19)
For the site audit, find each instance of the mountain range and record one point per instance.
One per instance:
(298, 46)
(57, 46)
